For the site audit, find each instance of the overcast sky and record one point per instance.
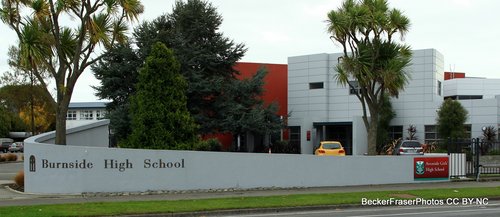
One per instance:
(466, 32)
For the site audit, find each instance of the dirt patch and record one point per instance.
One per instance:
(406, 196)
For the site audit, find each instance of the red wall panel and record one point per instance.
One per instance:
(276, 82)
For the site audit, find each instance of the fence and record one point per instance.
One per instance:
(468, 156)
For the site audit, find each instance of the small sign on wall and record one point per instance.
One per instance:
(431, 168)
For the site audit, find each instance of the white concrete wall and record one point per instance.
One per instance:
(488, 88)
(482, 113)
(57, 169)
(93, 133)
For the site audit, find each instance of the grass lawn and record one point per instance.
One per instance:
(140, 207)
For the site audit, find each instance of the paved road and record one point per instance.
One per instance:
(9, 198)
(9, 170)
(490, 210)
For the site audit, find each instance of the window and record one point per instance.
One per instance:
(395, 132)
(71, 115)
(86, 115)
(295, 138)
(464, 97)
(468, 128)
(439, 87)
(353, 87)
(100, 114)
(431, 134)
(316, 85)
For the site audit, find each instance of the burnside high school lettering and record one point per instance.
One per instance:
(112, 164)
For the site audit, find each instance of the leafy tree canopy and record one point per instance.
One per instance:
(48, 44)
(451, 119)
(206, 60)
(17, 99)
(206, 56)
(160, 119)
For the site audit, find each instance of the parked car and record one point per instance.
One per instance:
(330, 148)
(5, 144)
(16, 147)
(408, 147)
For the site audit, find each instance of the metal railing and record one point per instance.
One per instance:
(469, 157)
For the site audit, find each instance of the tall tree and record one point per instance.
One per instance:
(451, 119)
(10, 122)
(249, 113)
(5, 120)
(160, 118)
(117, 72)
(206, 56)
(45, 44)
(371, 56)
(31, 104)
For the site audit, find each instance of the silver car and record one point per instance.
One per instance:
(408, 147)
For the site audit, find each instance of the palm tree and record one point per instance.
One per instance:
(366, 31)
(64, 52)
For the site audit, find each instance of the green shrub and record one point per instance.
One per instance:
(208, 145)
(284, 147)
(494, 152)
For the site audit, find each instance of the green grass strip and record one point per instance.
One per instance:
(142, 207)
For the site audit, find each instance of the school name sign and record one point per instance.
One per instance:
(431, 168)
(107, 164)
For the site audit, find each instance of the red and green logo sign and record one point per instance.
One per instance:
(430, 168)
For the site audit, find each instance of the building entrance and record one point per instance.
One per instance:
(336, 131)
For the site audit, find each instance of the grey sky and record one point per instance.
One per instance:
(464, 31)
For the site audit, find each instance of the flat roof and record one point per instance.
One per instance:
(78, 105)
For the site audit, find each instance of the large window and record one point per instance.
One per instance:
(86, 115)
(395, 132)
(431, 134)
(71, 115)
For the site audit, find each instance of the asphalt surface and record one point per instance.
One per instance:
(9, 197)
(490, 210)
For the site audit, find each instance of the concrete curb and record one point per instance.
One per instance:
(6, 186)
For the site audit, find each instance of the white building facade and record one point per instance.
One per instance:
(481, 98)
(80, 113)
(322, 109)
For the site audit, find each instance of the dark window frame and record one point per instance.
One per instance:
(316, 85)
